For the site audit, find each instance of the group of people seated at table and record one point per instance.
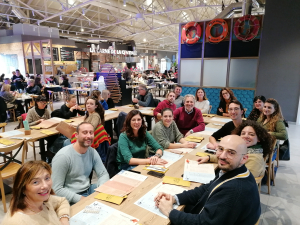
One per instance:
(240, 156)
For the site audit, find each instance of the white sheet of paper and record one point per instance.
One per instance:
(109, 112)
(100, 218)
(224, 120)
(11, 133)
(58, 119)
(171, 158)
(147, 201)
(21, 138)
(132, 175)
(145, 111)
(201, 173)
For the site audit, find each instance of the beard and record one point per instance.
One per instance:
(85, 143)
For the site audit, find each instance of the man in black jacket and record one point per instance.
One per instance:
(231, 198)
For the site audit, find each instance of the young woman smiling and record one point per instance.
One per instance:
(226, 96)
(166, 132)
(133, 142)
(202, 102)
(259, 145)
(33, 201)
(272, 120)
(258, 102)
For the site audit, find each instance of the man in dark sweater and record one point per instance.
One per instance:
(231, 198)
(236, 111)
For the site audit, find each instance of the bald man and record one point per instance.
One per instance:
(231, 198)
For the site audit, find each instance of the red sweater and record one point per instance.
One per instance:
(186, 122)
(162, 105)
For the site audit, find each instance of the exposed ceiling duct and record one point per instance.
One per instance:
(229, 10)
(247, 6)
(19, 13)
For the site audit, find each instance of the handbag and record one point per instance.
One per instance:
(284, 150)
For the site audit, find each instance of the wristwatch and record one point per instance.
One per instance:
(191, 131)
(158, 155)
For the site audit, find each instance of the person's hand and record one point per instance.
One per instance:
(203, 159)
(161, 162)
(165, 205)
(158, 116)
(72, 108)
(135, 100)
(82, 197)
(153, 160)
(212, 146)
(159, 196)
(187, 134)
(221, 110)
(64, 221)
(226, 114)
(189, 145)
(78, 108)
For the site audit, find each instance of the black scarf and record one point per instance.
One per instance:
(40, 112)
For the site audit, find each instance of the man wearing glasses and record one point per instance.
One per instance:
(145, 99)
(231, 198)
(236, 112)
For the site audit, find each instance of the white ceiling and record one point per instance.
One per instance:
(152, 24)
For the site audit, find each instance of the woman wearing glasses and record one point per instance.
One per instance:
(226, 96)
(38, 113)
(259, 144)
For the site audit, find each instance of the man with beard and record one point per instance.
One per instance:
(73, 165)
(178, 98)
(167, 103)
(236, 112)
(231, 198)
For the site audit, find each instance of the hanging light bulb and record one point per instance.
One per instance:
(83, 12)
(60, 17)
(32, 12)
(82, 29)
(57, 24)
(68, 32)
(124, 3)
(38, 22)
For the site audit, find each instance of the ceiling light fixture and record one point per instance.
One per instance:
(76, 33)
(83, 12)
(57, 24)
(32, 13)
(38, 22)
(68, 32)
(124, 3)
(191, 1)
(82, 29)
(60, 17)
(144, 40)
(7, 17)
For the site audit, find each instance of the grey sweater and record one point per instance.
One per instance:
(71, 171)
(166, 135)
(32, 116)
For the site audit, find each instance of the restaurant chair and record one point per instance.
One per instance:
(12, 113)
(270, 167)
(210, 107)
(65, 93)
(51, 93)
(258, 182)
(11, 167)
(2, 125)
(111, 164)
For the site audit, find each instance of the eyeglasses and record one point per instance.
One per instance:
(230, 153)
(44, 103)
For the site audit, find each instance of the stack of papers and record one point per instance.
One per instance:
(201, 173)
(170, 158)
(147, 201)
(11, 133)
(100, 214)
(224, 120)
(122, 184)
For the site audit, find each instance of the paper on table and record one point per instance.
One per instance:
(115, 188)
(147, 201)
(132, 175)
(47, 132)
(105, 212)
(224, 120)
(109, 112)
(110, 198)
(211, 129)
(58, 119)
(21, 138)
(176, 181)
(6, 142)
(145, 111)
(11, 133)
(77, 120)
(48, 123)
(170, 158)
(119, 219)
(202, 173)
(202, 154)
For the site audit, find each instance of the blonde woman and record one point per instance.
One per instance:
(107, 98)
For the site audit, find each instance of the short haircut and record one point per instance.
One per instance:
(189, 96)
(17, 70)
(143, 86)
(31, 81)
(260, 97)
(178, 86)
(69, 97)
(82, 123)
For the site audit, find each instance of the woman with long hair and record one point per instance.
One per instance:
(272, 120)
(259, 145)
(133, 142)
(33, 200)
(97, 95)
(226, 96)
(258, 103)
(202, 102)
(94, 112)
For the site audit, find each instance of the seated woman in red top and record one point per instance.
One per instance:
(168, 103)
(188, 118)
(226, 96)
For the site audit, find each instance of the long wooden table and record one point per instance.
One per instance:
(128, 206)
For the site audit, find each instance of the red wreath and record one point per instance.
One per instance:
(251, 34)
(213, 39)
(197, 36)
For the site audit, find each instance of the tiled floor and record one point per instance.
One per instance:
(282, 207)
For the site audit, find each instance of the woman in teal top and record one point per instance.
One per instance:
(133, 142)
